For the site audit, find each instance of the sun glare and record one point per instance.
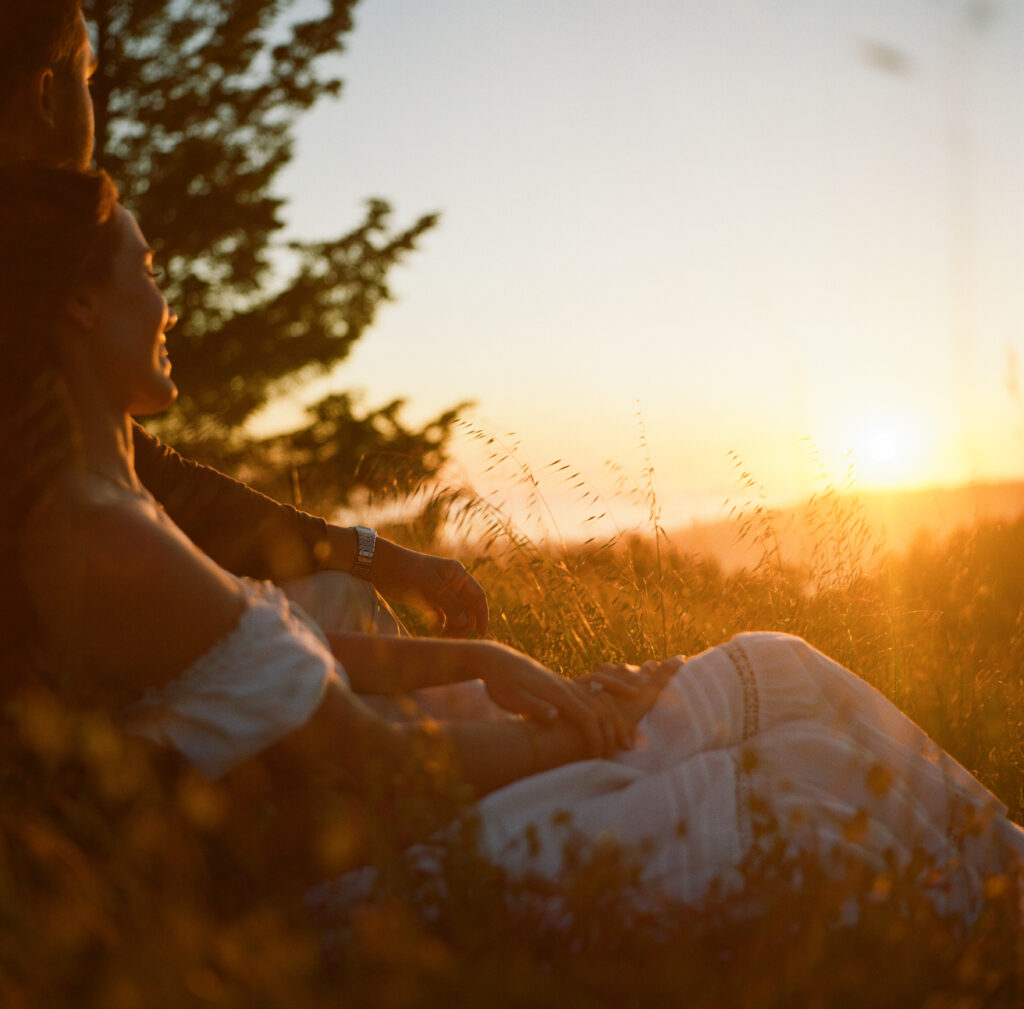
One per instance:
(888, 450)
(884, 448)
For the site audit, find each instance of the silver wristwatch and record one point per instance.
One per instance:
(367, 541)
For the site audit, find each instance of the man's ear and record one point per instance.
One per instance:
(82, 310)
(28, 121)
(42, 97)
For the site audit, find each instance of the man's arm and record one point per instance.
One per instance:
(251, 534)
(243, 530)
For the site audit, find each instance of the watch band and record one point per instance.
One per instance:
(367, 541)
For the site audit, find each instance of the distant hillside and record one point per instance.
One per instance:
(892, 519)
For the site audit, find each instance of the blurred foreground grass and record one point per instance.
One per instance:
(128, 882)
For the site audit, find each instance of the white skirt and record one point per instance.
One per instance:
(758, 739)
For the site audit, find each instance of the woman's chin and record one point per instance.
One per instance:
(156, 400)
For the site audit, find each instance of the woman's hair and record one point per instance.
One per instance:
(35, 34)
(57, 231)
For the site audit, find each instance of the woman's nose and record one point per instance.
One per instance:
(172, 321)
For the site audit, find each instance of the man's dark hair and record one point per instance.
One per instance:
(35, 34)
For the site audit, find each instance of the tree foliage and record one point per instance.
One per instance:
(196, 103)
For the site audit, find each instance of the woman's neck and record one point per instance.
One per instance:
(106, 446)
(110, 453)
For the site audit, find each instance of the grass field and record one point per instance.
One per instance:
(125, 882)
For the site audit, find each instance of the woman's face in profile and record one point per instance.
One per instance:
(130, 322)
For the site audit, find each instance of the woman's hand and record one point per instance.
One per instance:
(604, 705)
(628, 692)
(517, 683)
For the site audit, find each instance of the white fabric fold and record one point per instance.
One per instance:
(255, 686)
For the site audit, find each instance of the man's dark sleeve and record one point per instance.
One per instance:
(242, 530)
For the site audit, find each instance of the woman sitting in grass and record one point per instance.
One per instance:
(692, 763)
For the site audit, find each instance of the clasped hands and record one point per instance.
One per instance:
(605, 705)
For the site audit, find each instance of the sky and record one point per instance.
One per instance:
(772, 237)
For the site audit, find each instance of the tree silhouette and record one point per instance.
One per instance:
(195, 102)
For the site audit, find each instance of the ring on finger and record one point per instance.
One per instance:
(593, 687)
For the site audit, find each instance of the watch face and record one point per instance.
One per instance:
(367, 540)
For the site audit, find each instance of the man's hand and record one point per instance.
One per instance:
(442, 587)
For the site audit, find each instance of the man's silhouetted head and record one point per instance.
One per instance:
(45, 64)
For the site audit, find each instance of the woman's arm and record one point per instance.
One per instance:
(397, 665)
(388, 665)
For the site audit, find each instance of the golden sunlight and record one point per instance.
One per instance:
(890, 449)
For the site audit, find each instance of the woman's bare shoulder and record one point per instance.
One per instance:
(120, 587)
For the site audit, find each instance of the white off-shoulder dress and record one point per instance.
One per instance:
(761, 731)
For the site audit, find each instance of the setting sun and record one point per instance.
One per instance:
(884, 449)
(888, 449)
